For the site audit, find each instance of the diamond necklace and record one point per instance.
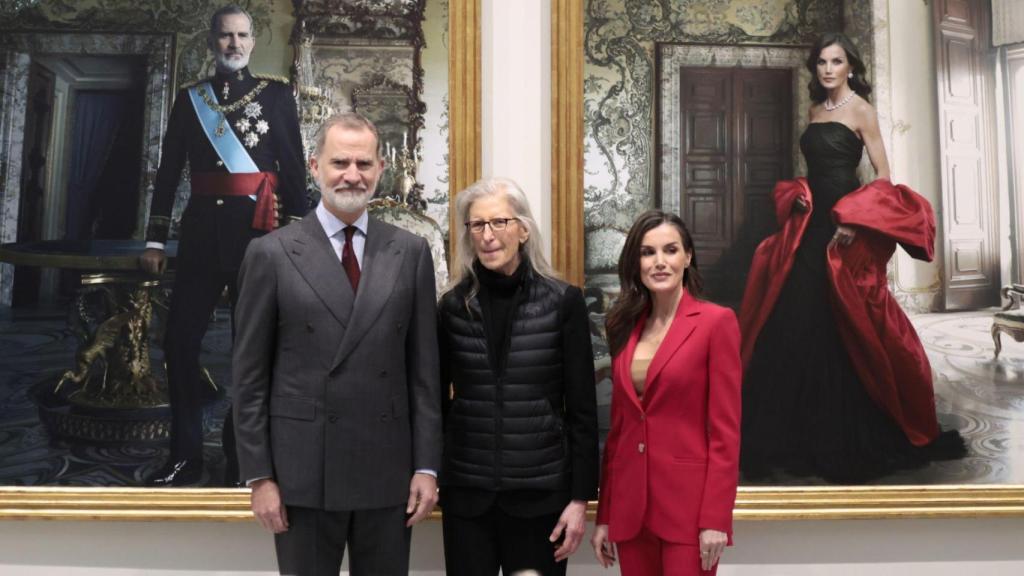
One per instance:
(829, 106)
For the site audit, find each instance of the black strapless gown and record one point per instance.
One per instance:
(805, 410)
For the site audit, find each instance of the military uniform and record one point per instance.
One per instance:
(224, 213)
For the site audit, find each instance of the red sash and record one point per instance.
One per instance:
(260, 184)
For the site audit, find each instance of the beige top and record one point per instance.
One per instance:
(638, 371)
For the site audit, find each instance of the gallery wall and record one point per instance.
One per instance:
(905, 547)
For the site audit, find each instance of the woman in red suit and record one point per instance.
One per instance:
(671, 459)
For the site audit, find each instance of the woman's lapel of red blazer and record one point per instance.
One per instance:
(625, 360)
(682, 326)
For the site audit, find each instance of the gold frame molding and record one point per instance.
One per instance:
(215, 504)
(567, 139)
(752, 503)
(465, 109)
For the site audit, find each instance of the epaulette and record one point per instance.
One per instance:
(274, 77)
(194, 82)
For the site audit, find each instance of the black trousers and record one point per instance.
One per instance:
(213, 241)
(314, 545)
(481, 545)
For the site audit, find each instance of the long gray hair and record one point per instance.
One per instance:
(532, 249)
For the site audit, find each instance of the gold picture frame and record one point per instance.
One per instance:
(225, 504)
(752, 503)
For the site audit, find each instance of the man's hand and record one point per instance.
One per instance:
(422, 497)
(153, 261)
(573, 522)
(604, 549)
(712, 542)
(267, 507)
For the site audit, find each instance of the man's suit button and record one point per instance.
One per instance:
(332, 418)
(309, 327)
(383, 417)
(643, 416)
(220, 201)
(641, 447)
(383, 373)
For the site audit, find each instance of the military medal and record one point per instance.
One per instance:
(226, 91)
(252, 125)
(253, 111)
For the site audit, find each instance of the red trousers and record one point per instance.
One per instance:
(648, 555)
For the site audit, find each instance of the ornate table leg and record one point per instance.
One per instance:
(119, 345)
(111, 395)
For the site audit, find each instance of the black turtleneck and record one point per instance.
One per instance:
(499, 294)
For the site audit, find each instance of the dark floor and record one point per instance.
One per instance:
(981, 397)
(35, 349)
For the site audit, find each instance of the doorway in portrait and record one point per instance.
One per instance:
(735, 143)
(83, 146)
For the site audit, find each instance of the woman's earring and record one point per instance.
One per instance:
(850, 75)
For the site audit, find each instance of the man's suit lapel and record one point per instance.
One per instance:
(319, 265)
(683, 325)
(382, 260)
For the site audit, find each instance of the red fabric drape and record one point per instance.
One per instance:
(772, 262)
(882, 344)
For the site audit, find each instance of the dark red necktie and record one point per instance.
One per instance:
(348, 259)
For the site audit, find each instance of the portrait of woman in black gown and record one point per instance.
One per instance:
(808, 407)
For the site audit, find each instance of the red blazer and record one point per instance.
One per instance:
(671, 463)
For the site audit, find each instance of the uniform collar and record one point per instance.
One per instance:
(238, 84)
(233, 77)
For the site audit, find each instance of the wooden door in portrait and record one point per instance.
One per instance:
(736, 143)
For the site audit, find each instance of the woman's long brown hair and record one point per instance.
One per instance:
(634, 298)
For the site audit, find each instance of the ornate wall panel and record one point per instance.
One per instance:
(619, 84)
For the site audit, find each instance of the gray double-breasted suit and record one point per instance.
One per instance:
(337, 395)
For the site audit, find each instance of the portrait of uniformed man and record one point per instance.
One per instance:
(238, 132)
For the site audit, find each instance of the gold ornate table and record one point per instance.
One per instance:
(110, 394)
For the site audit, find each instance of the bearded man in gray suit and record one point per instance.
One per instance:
(337, 393)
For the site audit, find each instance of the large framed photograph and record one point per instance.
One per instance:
(698, 108)
(83, 409)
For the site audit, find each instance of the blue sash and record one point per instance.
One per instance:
(230, 149)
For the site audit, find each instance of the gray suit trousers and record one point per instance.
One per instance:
(314, 545)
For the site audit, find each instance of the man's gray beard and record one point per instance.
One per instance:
(225, 64)
(351, 202)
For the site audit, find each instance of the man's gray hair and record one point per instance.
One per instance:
(228, 10)
(533, 248)
(347, 120)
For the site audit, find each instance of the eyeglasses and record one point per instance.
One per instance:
(496, 224)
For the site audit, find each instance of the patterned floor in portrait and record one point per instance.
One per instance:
(35, 349)
(982, 397)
